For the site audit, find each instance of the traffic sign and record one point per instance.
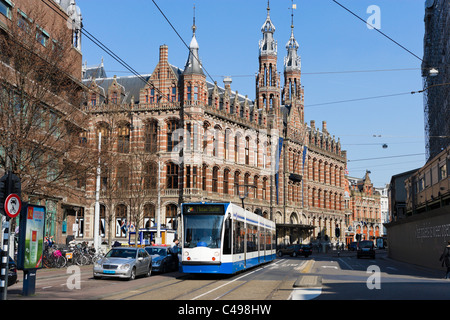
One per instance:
(13, 205)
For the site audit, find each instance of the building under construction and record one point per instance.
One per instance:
(435, 71)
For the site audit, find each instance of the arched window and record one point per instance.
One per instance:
(151, 136)
(122, 177)
(215, 179)
(236, 148)
(150, 176)
(172, 135)
(264, 189)
(204, 168)
(247, 150)
(123, 143)
(236, 183)
(226, 177)
(149, 215)
(104, 130)
(172, 176)
(121, 221)
(171, 215)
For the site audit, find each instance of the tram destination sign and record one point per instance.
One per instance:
(204, 209)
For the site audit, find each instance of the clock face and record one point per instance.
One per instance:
(429, 3)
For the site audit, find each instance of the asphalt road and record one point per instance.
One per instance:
(318, 277)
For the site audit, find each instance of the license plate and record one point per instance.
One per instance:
(109, 271)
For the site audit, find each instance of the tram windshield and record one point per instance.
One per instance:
(202, 230)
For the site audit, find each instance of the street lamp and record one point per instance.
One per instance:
(245, 193)
(434, 85)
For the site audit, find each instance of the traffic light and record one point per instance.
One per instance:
(9, 183)
(3, 195)
(337, 232)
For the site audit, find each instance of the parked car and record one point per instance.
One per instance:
(121, 262)
(12, 271)
(163, 259)
(295, 250)
(353, 246)
(365, 249)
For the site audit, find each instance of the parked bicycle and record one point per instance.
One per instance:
(53, 258)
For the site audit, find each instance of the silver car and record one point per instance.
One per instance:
(124, 263)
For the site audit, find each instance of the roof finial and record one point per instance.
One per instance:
(193, 25)
(294, 6)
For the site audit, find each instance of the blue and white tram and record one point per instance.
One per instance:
(224, 238)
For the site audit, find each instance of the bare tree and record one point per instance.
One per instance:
(42, 129)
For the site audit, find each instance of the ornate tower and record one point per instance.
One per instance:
(195, 91)
(267, 79)
(292, 94)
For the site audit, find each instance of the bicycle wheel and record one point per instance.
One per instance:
(60, 262)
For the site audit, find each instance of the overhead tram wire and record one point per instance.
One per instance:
(359, 99)
(379, 31)
(399, 156)
(179, 36)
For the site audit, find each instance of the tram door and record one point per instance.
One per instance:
(245, 245)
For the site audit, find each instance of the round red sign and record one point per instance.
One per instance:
(13, 205)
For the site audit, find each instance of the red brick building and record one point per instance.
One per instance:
(365, 207)
(174, 132)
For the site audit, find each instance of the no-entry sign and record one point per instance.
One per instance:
(13, 205)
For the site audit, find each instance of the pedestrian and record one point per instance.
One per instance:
(445, 258)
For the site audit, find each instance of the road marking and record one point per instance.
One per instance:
(305, 294)
(330, 267)
(348, 266)
(227, 283)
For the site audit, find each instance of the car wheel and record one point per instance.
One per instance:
(280, 253)
(294, 254)
(149, 272)
(133, 274)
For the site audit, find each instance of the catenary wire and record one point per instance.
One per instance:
(379, 31)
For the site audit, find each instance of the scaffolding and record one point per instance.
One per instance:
(436, 87)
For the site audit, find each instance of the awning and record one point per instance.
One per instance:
(295, 226)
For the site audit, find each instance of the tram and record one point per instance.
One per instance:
(223, 238)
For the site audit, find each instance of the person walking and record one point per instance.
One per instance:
(445, 258)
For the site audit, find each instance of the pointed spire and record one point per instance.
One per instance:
(193, 64)
(292, 61)
(267, 45)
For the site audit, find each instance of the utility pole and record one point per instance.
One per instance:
(97, 198)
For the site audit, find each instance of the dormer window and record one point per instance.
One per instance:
(114, 98)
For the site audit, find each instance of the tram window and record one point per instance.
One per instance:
(268, 240)
(202, 231)
(227, 238)
(262, 242)
(239, 234)
(251, 238)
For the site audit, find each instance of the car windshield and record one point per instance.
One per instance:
(365, 244)
(156, 251)
(202, 230)
(121, 253)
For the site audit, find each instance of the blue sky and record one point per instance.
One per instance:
(332, 43)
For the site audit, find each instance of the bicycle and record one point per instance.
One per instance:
(53, 258)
